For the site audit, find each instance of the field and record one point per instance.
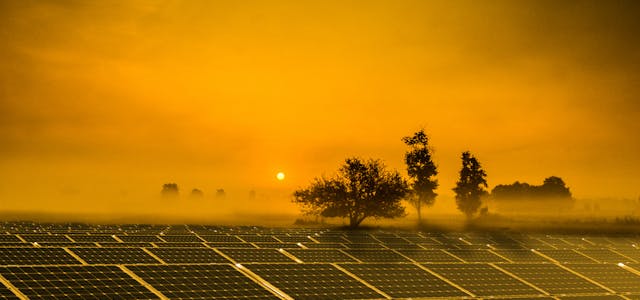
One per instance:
(136, 261)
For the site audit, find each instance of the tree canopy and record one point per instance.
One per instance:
(170, 190)
(359, 190)
(422, 171)
(553, 188)
(470, 186)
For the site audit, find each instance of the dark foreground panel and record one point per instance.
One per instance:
(403, 280)
(313, 281)
(80, 282)
(201, 282)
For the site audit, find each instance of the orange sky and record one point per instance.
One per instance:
(107, 100)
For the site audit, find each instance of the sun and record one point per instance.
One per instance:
(280, 176)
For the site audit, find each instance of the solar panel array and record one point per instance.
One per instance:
(138, 261)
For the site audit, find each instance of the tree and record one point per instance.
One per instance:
(170, 190)
(197, 193)
(359, 190)
(471, 186)
(421, 170)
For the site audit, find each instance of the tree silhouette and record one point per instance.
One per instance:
(359, 190)
(470, 186)
(170, 190)
(553, 188)
(421, 170)
(196, 193)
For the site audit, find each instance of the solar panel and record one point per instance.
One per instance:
(330, 239)
(482, 279)
(403, 280)
(277, 245)
(93, 238)
(476, 256)
(36, 256)
(44, 238)
(552, 278)
(67, 244)
(521, 255)
(611, 276)
(429, 256)
(258, 238)
(188, 255)
(221, 238)
(364, 245)
(201, 282)
(126, 245)
(181, 238)
(180, 245)
(361, 238)
(6, 293)
(594, 297)
(402, 246)
(139, 238)
(604, 255)
(293, 239)
(114, 256)
(313, 281)
(382, 255)
(231, 245)
(255, 255)
(9, 238)
(321, 255)
(84, 282)
(630, 253)
(567, 256)
(324, 245)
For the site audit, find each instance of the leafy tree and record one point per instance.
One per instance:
(553, 188)
(197, 193)
(471, 186)
(421, 170)
(359, 190)
(170, 190)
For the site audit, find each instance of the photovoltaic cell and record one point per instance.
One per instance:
(80, 282)
(93, 238)
(6, 293)
(403, 280)
(320, 255)
(313, 281)
(36, 256)
(371, 255)
(567, 256)
(221, 238)
(474, 256)
(552, 278)
(429, 256)
(482, 279)
(522, 255)
(255, 255)
(114, 256)
(201, 282)
(611, 276)
(188, 255)
(605, 256)
(181, 238)
(139, 238)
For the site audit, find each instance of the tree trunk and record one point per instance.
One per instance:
(419, 209)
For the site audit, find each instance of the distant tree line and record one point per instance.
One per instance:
(553, 188)
(171, 190)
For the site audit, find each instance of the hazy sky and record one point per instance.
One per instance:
(114, 98)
